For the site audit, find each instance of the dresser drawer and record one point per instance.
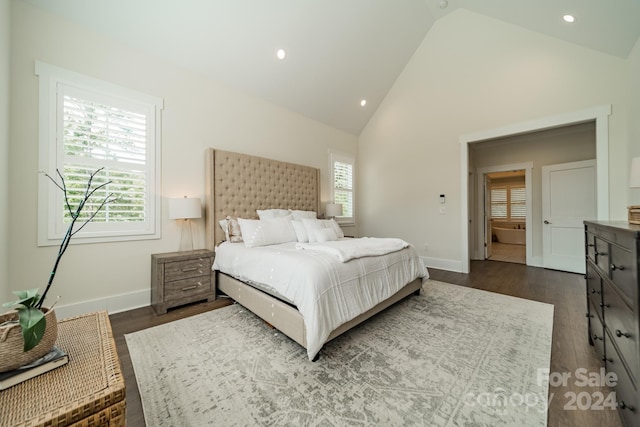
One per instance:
(622, 264)
(178, 270)
(602, 255)
(187, 287)
(620, 322)
(591, 247)
(596, 332)
(594, 290)
(626, 393)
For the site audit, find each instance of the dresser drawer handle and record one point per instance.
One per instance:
(596, 337)
(619, 334)
(589, 315)
(593, 291)
(187, 269)
(189, 288)
(590, 245)
(604, 359)
(617, 267)
(603, 305)
(600, 253)
(625, 406)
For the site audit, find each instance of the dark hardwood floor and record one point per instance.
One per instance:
(570, 348)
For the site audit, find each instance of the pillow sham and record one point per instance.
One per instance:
(263, 232)
(326, 235)
(301, 231)
(300, 215)
(272, 213)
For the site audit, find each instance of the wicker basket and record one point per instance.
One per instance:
(12, 355)
(634, 214)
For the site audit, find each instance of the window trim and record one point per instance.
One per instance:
(49, 78)
(345, 158)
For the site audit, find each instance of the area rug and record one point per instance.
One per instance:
(452, 356)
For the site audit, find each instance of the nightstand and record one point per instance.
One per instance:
(179, 278)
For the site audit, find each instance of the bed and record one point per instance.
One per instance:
(237, 185)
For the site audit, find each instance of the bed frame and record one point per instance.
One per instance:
(238, 184)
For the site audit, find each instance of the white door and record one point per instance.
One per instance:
(568, 198)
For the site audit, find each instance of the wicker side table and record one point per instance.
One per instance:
(87, 391)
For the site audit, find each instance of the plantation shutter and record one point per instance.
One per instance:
(343, 187)
(518, 202)
(105, 133)
(499, 202)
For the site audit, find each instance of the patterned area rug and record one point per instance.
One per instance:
(451, 356)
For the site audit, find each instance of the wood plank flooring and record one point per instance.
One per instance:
(570, 347)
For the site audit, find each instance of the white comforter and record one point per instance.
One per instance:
(327, 292)
(348, 249)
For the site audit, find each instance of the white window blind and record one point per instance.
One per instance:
(342, 185)
(87, 124)
(508, 201)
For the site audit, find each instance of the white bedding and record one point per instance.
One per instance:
(348, 249)
(327, 292)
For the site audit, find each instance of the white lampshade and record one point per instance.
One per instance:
(333, 210)
(634, 173)
(185, 208)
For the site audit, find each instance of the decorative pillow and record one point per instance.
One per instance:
(331, 223)
(300, 215)
(301, 231)
(263, 232)
(231, 229)
(325, 235)
(272, 213)
(318, 224)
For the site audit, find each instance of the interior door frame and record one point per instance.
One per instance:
(528, 171)
(598, 114)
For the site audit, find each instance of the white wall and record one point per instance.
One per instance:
(5, 26)
(634, 114)
(198, 113)
(473, 73)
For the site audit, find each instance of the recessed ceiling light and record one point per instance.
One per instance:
(281, 54)
(568, 18)
(363, 102)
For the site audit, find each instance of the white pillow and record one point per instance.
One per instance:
(325, 235)
(301, 231)
(263, 232)
(311, 225)
(272, 213)
(332, 224)
(224, 224)
(300, 215)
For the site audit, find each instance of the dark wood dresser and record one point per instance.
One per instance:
(612, 256)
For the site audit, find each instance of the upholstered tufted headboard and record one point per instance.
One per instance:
(238, 184)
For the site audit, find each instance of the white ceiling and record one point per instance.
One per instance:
(338, 51)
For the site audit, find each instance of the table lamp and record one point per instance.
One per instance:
(333, 210)
(185, 208)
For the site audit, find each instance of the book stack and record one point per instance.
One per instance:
(54, 359)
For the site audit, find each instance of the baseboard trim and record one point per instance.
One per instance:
(112, 304)
(443, 264)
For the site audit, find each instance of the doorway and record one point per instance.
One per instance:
(505, 207)
(598, 115)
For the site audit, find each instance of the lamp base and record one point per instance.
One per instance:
(186, 237)
(634, 214)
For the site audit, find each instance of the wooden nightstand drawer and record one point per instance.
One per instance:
(178, 270)
(187, 287)
(179, 278)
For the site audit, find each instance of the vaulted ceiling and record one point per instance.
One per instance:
(338, 52)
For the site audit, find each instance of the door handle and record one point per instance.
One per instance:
(546, 222)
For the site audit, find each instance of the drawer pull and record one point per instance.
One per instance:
(603, 305)
(593, 291)
(604, 359)
(619, 334)
(625, 406)
(185, 270)
(189, 288)
(589, 315)
(590, 245)
(596, 337)
(601, 253)
(617, 267)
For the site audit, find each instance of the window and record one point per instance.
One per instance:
(88, 124)
(342, 171)
(508, 201)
